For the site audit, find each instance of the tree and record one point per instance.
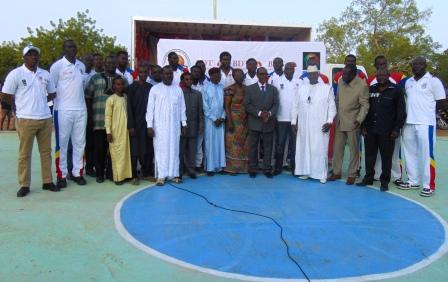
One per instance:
(367, 28)
(441, 66)
(81, 29)
(9, 58)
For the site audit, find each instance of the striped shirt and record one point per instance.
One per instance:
(99, 89)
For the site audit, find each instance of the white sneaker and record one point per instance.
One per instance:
(426, 192)
(323, 180)
(304, 177)
(408, 186)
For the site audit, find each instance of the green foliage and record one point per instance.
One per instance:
(441, 66)
(367, 28)
(10, 57)
(81, 29)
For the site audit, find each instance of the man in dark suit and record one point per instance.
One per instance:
(195, 126)
(261, 102)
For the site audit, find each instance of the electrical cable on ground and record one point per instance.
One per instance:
(251, 213)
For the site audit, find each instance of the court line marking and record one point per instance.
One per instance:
(386, 275)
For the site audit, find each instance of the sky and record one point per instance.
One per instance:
(115, 17)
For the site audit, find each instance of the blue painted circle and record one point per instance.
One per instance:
(334, 230)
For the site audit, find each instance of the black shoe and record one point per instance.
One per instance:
(119, 183)
(50, 187)
(252, 174)
(99, 179)
(222, 172)
(70, 176)
(192, 175)
(364, 182)
(79, 180)
(384, 187)
(398, 182)
(210, 173)
(23, 191)
(61, 183)
(268, 174)
(90, 172)
(277, 172)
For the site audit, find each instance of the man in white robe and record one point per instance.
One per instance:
(165, 115)
(312, 115)
(214, 118)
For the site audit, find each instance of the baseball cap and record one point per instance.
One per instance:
(30, 47)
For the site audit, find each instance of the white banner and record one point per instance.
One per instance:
(189, 51)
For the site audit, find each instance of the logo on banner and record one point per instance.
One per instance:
(184, 59)
(310, 56)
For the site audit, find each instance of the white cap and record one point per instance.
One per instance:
(312, 68)
(30, 47)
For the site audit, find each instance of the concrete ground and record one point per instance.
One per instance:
(71, 235)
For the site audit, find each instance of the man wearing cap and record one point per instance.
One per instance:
(312, 116)
(29, 85)
(70, 115)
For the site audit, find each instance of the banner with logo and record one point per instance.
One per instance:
(189, 51)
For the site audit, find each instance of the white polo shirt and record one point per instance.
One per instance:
(274, 76)
(69, 81)
(421, 97)
(30, 90)
(250, 80)
(126, 75)
(286, 93)
(227, 80)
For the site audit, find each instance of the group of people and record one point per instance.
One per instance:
(161, 123)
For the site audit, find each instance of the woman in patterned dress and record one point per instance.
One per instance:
(237, 143)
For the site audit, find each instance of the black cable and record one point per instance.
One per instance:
(251, 213)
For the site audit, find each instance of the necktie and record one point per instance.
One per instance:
(262, 89)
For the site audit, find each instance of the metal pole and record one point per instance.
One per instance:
(214, 9)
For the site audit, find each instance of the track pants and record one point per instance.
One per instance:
(418, 149)
(70, 125)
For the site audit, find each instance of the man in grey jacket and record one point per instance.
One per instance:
(261, 102)
(195, 126)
